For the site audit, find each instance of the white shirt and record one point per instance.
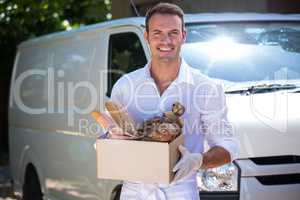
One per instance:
(205, 116)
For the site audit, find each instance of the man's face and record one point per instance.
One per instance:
(165, 36)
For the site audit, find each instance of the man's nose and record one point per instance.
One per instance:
(166, 38)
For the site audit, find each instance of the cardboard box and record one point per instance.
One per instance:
(133, 160)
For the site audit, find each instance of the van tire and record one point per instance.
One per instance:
(116, 193)
(32, 186)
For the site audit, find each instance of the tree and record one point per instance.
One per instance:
(24, 19)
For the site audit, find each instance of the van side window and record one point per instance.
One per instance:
(126, 54)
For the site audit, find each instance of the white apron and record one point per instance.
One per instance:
(184, 190)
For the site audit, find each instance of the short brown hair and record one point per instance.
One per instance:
(164, 8)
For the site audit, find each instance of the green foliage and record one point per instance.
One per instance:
(23, 19)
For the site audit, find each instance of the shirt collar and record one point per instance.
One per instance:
(184, 75)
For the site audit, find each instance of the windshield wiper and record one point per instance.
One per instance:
(264, 88)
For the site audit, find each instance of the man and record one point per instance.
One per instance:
(167, 78)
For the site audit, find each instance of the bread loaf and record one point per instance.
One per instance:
(121, 117)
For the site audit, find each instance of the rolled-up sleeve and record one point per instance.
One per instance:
(217, 129)
(116, 93)
(121, 91)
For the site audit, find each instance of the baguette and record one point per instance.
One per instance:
(103, 120)
(121, 117)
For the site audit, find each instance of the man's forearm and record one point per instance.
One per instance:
(215, 157)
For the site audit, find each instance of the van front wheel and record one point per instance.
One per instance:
(32, 187)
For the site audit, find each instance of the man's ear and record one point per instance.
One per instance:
(184, 35)
(146, 36)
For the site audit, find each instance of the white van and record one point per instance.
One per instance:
(59, 78)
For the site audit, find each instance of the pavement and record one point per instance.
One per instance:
(5, 184)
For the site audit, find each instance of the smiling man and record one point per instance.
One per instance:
(165, 34)
(164, 80)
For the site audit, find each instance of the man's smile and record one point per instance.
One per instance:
(165, 49)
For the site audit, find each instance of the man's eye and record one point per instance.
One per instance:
(174, 33)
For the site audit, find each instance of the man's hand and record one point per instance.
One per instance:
(188, 164)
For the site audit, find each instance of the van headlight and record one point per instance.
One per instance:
(224, 178)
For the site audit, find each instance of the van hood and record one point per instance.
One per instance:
(266, 124)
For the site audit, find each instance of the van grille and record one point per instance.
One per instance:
(273, 160)
(281, 179)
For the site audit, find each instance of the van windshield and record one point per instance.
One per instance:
(244, 51)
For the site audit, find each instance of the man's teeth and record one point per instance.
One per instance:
(165, 49)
